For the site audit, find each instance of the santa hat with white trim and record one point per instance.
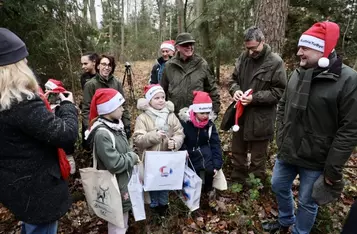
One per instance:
(55, 85)
(202, 102)
(323, 37)
(151, 90)
(168, 45)
(105, 101)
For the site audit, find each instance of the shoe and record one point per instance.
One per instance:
(273, 227)
(162, 210)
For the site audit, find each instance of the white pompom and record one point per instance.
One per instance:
(235, 128)
(324, 62)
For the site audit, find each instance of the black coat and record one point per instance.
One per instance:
(30, 180)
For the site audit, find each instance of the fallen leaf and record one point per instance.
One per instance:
(274, 213)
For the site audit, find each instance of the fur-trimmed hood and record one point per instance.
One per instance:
(185, 116)
(143, 105)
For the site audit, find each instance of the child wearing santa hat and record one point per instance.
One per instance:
(157, 129)
(105, 112)
(202, 140)
(167, 50)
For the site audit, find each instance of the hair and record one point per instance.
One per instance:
(92, 56)
(111, 62)
(17, 82)
(254, 33)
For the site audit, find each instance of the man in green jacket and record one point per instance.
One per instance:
(263, 71)
(317, 129)
(187, 72)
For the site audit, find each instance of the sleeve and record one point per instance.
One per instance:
(164, 82)
(142, 138)
(153, 77)
(234, 82)
(113, 161)
(273, 95)
(83, 81)
(178, 135)
(215, 144)
(280, 119)
(346, 136)
(210, 86)
(88, 93)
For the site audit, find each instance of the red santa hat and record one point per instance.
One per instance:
(105, 101)
(322, 37)
(151, 90)
(202, 102)
(55, 86)
(168, 45)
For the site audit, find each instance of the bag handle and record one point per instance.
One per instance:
(95, 162)
(189, 160)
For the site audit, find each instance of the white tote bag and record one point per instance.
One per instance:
(136, 193)
(219, 181)
(102, 191)
(164, 170)
(191, 191)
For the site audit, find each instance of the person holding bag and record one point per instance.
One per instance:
(202, 140)
(157, 129)
(106, 112)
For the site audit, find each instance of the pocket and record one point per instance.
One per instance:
(263, 124)
(314, 147)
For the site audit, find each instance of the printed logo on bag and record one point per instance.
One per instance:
(186, 184)
(102, 199)
(165, 171)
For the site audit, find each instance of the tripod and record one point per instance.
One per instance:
(129, 73)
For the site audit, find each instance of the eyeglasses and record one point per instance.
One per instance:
(254, 48)
(105, 64)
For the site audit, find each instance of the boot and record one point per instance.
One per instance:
(273, 227)
(162, 210)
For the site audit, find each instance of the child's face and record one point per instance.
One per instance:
(158, 101)
(117, 114)
(202, 116)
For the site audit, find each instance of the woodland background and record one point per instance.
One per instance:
(58, 32)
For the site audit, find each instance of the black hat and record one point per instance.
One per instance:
(184, 38)
(12, 48)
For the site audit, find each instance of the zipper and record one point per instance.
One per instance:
(199, 149)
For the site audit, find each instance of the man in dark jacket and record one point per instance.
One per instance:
(263, 71)
(187, 72)
(317, 129)
(167, 50)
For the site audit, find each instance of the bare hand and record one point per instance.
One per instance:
(214, 173)
(246, 100)
(68, 98)
(171, 144)
(238, 95)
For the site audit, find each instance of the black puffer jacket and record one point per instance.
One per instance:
(31, 185)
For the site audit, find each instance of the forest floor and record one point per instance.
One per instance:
(237, 210)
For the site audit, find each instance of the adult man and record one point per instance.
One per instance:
(317, 129)
(263, 71)
(187, 72)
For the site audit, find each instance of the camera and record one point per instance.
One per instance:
(127, 65)
(53, 98)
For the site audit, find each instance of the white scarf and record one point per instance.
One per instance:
(159, 117)
(115, 126)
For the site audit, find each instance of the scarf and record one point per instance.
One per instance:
(159, 117)
(119, 126)
(196, 122)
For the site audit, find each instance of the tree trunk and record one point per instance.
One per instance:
(93, 16)
(136, 20)
(180, 16)
(271, 16)
(122, 28)
(85, 9)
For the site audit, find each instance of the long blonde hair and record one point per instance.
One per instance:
(16, 82)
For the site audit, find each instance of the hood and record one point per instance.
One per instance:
(143, 105)
(185, 116)
(89, 134)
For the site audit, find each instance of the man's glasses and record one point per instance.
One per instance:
(253, 48)
(105, 65)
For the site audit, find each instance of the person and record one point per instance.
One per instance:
(167, 50)
(157, 129)
(263, 71)
(187, 72)
(103, 79)
(89, 65)
(202, 140)
(106, 112)
(316, 129)
(32, 185)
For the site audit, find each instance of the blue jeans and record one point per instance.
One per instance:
(159, 198)
(46, 228)
(282, 180)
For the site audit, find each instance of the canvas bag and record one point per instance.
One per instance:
(191, 191)
(164, 170)
(219, 181)
(102, 191)
(136, 193)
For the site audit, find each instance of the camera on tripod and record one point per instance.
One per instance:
(127, 65)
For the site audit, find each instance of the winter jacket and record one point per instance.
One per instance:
(86, 77)
(181, 78)
(91, 86)
(268, 83)
(205, 151)
(31, 185)
(119, 161)
(323, 136)
(145, 134)
(157, 69)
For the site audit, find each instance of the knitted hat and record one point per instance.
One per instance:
(168, 45)
(105, 101)
(201, 102)
(12, 48)
(55, 86)
(322, 37)
(151, 90)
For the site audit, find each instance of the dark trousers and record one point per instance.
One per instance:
(240, 148)
(207, 180)
(350, 226)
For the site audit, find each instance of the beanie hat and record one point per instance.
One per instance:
(168, 45)
(55, 86)
(322, 37)
(151, 90)
(201, 102)
(105, 101)
(12, 48)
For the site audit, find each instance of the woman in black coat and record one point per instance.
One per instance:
(32, 186)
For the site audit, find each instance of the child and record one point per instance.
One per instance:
(202, 140)
(105, 112)
(167, 50)
(157, 129)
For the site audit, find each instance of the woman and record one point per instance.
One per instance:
(32, 185)
(167, 50)
(89, 62)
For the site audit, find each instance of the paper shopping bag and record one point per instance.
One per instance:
(136, 193)
(191, 191)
